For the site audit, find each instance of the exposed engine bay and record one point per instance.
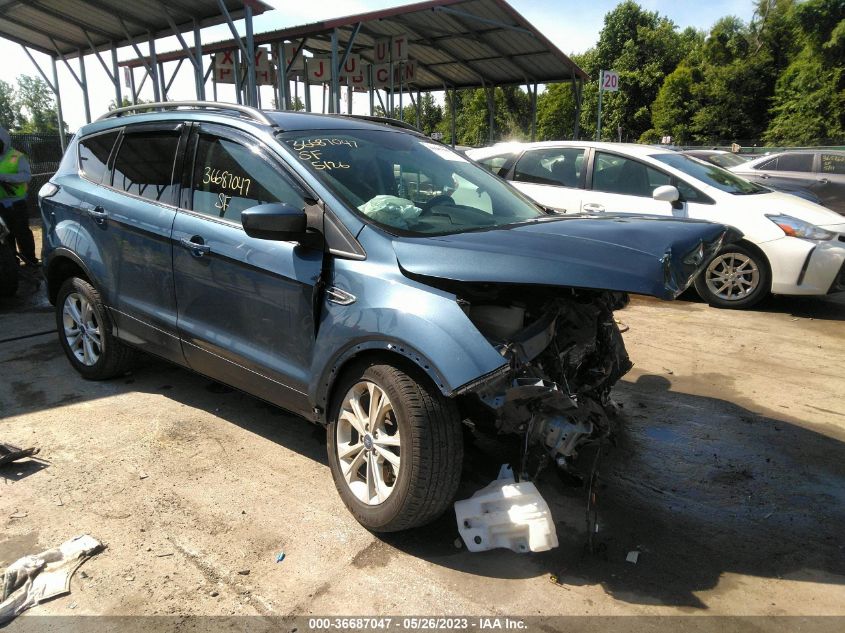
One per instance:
(565, 352)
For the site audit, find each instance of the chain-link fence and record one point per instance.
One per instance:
(44, 152)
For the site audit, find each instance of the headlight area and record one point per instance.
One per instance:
(793, 227)
(564, 354)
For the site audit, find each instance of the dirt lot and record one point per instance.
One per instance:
(728, 477)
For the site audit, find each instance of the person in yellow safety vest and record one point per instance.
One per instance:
(14, 184)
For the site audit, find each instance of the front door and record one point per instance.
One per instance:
(620, 184)
(245, 306)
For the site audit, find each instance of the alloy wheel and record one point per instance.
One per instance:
(732, 276)
(81, 329)
(368, 443)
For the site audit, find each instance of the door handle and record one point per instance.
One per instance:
(824, 181)
(196, 245)
(99, 215)
(764, 176)
(593, 207)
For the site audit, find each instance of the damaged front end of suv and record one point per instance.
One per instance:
(562, 346)
(564, 353)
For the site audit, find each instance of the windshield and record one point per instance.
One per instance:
(710, 174)
(408, 184)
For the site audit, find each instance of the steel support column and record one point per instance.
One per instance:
(251, 84)
(307, 87)
(334, 92)
(132, 86)
(452, 109)
(83, 83)
(153, 69)
(578, 92)
(199, 70)
(55, 86)
(281, 54)
(491, 106)
(118, 92)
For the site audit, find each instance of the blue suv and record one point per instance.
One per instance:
(356, 273)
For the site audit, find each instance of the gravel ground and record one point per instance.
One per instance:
(728, 477)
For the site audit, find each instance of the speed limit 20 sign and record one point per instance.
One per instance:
(610, 81)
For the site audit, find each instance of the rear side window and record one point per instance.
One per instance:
(555, 166)
(793, 162)
(617, 174)
(229, 177)
(144, 165)
(94, 154)
(833, 163)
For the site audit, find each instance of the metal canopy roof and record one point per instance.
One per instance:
(457, 43)
(66, 27)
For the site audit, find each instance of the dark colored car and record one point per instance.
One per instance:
(822, 172)
(728, 160)
(357, 274)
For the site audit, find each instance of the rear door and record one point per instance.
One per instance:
(554, 177)
(130, 217)
(245, 305)
(621, 184)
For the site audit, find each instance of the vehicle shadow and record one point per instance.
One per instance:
(826, 308)
(699, 487)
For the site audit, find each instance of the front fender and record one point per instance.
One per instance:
(394, 314)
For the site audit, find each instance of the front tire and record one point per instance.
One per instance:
(737, 277)
(85, 332)
(395, 448)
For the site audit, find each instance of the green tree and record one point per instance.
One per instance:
(9, 108)
(431, 113)
(643, 47)
(36, 98)
(809, 99)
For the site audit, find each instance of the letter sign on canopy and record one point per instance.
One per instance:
(390, 49)
(224, 67)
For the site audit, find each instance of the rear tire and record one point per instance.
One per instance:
(85, 332)
(396, 462)
(737, 277)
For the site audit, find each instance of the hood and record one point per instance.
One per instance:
(778, 202)
(642, 255)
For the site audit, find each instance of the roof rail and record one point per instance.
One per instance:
(253, 113)
(385, 120)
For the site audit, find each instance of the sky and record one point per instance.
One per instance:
(573, 26)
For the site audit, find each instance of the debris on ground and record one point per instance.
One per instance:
(280, 557)
(35, 578)
(506, 514)
(9, 453)
(632, 557)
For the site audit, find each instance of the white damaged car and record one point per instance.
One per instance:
(790, 246)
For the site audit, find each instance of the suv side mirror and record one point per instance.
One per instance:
(275, 221)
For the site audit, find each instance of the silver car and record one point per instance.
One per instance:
(820, 171)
